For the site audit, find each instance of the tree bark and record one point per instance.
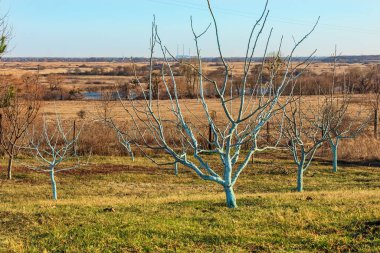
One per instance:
(176, 168)
(10, 162)
(334, 150)
(230, 197)
(209, 137)
(53, 185)
(300, 178)
(376, 123)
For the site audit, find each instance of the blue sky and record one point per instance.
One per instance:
(121, 28)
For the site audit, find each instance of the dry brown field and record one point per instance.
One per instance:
(69, 109)
(20, 68)
(88, 82)
(192, 108)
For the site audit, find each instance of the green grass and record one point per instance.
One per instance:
(155, 211)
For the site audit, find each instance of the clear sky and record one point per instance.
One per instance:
(121, 28)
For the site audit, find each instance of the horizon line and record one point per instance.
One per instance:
(180, 56)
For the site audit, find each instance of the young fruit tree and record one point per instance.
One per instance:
(123, 138)
(17, 113)
(53, 146)
(171, 127)
(343, 123)
(301, 128)
(105, 114)
(346, 120)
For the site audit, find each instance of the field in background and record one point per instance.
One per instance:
(20, 68)
(90, 82)
(364, 148)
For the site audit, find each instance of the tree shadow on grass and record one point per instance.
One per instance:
(366, 229)
(365, 163)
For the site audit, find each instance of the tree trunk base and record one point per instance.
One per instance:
(335, 158)
(53, 185)
(300, 180)
(230, 197)
(10, 161)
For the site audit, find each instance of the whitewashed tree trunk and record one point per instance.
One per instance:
(334, 151)
(230, 197)
(53, 184)
(300, 172)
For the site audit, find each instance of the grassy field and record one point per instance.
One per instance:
(120, 206)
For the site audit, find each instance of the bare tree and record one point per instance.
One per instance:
(105, 114)
(272, 67)
(156, 81)
(104, 107)
(343, 123)
(122, 135)
(55, 82)
(335, 113)
(375, 98)
(177, 130)
(301, 128)
(190, 74)
(124, 88)
(16, 115)
(6, 94)
(52, 147)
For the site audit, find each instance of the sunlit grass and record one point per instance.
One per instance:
(117, 206)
